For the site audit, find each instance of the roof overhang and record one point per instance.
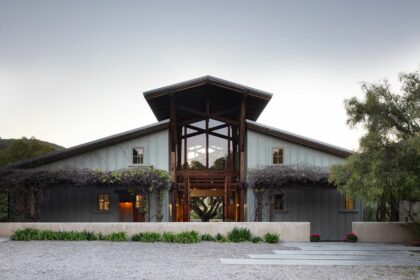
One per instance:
(158, 99)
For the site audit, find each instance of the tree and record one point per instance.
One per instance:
(206, 207)
(19, 150)
(24, 149)
(386, 168)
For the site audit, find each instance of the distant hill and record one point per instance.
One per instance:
(6, 143)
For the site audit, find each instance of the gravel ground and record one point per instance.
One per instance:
(132, 260)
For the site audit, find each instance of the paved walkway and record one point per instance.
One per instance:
(336, 253)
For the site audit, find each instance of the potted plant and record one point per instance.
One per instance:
(350, 237)
(315, 237)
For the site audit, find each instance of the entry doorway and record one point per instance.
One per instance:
(126, 211)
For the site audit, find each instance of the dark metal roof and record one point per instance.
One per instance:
(304, 141)
(206, 80)
(224, 92)
(89, 146)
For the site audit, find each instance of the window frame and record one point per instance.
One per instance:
(284, 202)
(272, 155)
(132, 156)
(98, 205)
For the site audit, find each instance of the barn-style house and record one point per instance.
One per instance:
(219, 162)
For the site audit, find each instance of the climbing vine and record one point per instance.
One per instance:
(270, 178)
(26, 187)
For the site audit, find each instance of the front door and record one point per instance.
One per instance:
(126, 211)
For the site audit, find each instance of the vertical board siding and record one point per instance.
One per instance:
(259, 148)
(118, 156)
(321, 206)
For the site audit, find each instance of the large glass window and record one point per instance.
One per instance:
(207, 145)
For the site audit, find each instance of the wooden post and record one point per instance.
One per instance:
(173, 138)
(226, 199)
(186, 199)
(242, 170)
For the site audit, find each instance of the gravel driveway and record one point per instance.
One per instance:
(131, 260)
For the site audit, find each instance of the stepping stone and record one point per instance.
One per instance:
(331, 257)
(342, 252)
(321, 262)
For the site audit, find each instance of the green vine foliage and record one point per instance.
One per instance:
(28, 185)
(265, 180)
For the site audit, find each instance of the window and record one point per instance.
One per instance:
(348, 202)
(103, 201)
(279, 201)
(138, 201)
(277, 156)
(138, 155)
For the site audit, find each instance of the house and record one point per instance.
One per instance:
(208, 140)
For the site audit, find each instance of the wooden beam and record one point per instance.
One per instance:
(205, 115)
(226, 200)
(242, 170)
(173, 139)
(187, 199)
(206, 192)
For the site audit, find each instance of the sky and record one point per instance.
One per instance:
(74, 71)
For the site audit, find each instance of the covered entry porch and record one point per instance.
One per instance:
(201, 184)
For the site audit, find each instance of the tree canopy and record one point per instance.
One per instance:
(20, 149)
(386, 168)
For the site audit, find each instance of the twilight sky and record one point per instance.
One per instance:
(75, 71)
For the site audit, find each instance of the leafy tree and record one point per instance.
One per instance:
(219, 163)
(20, 149)
(206, 207)
(24, 149)
(386, 168)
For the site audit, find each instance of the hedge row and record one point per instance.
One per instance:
(236, 235)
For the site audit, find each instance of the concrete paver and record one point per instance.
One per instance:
(336, 253)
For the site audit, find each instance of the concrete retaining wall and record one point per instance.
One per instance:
(383, 231)
(289, 231)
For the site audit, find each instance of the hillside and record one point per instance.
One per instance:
(6, 143)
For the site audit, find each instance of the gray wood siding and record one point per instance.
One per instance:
(322, 207)
(72, 204)
(118, 156)
(259, 147)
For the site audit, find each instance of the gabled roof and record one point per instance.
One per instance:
(194, 92)
(295, 138)
(89, 146)
(206, 80)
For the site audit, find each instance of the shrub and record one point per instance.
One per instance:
(25, 234)
(90, 236)
(315, 237)
(271, 237)
(188, 237)
(220, 238)
(239, 235)
(207, 237)
(351, 237)
(169, 237)
(256, 239)
(148, 237)
(115, 236)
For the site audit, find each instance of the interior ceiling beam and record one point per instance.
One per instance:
(206, 115)
(203, 131)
